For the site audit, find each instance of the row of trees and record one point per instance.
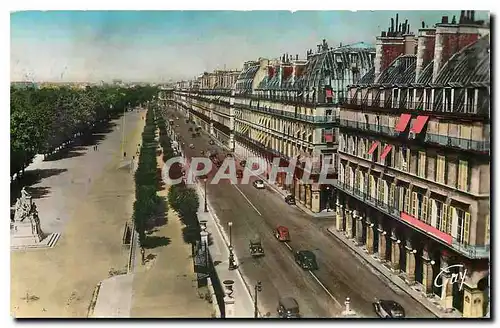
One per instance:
(183, 200)
(146, 180)
(43, 119)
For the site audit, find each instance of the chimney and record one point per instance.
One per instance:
(296, 57)
(451, 39)
(388, 47)
(425, 48)
(270, 72)
(298, 70)
(410, 44)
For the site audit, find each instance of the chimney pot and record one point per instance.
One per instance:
(392, 25)
(444, 20)
(397, 20)
(472, 14)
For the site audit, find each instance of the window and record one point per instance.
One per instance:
(427, 210)
(440, 168)
(358, 179)
(469, 102)
(463, 226)
(351, 177)
(447, 100)
(397, 157)
(381, 191)
(414, 205)
(421, 164)
(347, 176)
(372, 191)
(401, 197)
(392, 191)
(407, 205)
(405, 159)
(463, 170)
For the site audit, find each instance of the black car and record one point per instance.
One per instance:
(288, 308)
(193, 135)
(306, 260)
(243, 163)
(190, 129)
(388, 309)
(256, 247)
(290, 200)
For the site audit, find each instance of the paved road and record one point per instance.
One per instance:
(340, 273)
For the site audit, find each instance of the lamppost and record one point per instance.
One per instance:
(258, 289)
(205, 180)
(230, 224)
(232, 265)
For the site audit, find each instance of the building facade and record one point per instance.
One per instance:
(286, 108)
(414, 150)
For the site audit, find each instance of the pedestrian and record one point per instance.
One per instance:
(124, 154)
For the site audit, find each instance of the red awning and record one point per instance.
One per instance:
(386, 151)
(329, 93)
(372, 148)
(329, 137)
(403, 122)
(419, 123)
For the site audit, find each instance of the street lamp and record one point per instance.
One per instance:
(232, 265)
(205, 180)
(258, 289)
(230, 224)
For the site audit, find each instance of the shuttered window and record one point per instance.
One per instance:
(463, 170)
(407, 205)
(422, 161)
(414, 205)
(444, 219)
(392, 191)
(440, 168)
(424, 210)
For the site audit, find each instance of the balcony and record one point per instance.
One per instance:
(470, 251)
(481, 146)
(302, 117)
(368, 127)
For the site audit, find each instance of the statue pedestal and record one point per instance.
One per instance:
(24, 230)
(22, 237)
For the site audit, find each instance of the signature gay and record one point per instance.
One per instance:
(455, 277)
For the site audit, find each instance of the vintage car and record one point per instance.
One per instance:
(190, 129)
(259, 184)
(239, 174)
(243, 163)
(306, 260)
(290, 200)
(193, 135)
(256, 247)
(191, 146)
(388, 309)
(211, 142)
(281, 233)
(288, 308)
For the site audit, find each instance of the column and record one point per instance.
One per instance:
(473, 302)
(427, 271)
(369, 235)
(395, 250)
(348, 225)
(410, 262)
(359, 228)
(338, 215)
(382, 242)
(447, 287)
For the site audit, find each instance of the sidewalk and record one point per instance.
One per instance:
(166, 286)
(219, 252)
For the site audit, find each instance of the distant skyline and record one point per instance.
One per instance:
(159, 46)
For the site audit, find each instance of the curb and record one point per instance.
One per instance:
(403, 288)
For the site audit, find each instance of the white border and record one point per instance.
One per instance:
(186, 5)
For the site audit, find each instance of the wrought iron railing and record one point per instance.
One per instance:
(471, 251)
(483, 146)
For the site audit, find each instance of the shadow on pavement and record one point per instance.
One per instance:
(30, 178)
(156, 241)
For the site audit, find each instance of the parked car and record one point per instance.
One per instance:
(306, 260)
(256, 247)
(229, 155)
(239, 174)
(191, 146)
(259, 184)
(193, 135)
(211, 142)
(243, 163)
(388, 309)
(190, 129)
(290, 200)
(281, 233)
(288, 308)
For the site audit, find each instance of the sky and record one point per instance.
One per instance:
(158, 46)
